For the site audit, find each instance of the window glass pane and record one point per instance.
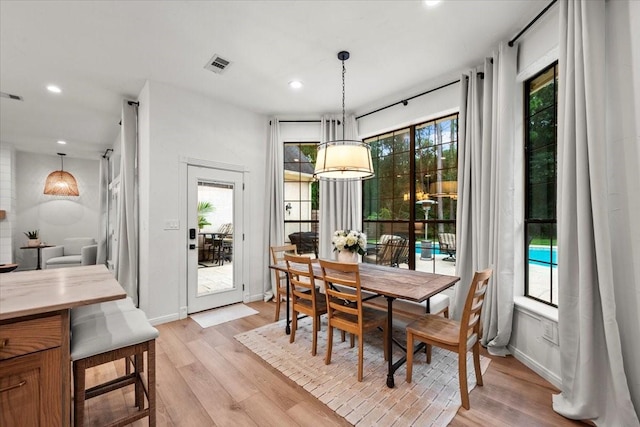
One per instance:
(405, 198)
(540, 186)
(542, 165)
(542, 199)
(542, 91)
(301, 196)
(401, 141)
(542, 128)
(425, 135)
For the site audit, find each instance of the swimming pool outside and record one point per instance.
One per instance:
(538, 255)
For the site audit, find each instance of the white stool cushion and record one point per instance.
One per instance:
(110, 332)
(86, 312)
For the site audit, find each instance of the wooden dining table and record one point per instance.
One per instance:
(391, 283)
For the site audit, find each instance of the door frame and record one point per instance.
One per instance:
(185, 162)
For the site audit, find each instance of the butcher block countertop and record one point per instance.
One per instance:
(27, 293)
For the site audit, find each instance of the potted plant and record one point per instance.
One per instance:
(33, 237)
(204, 208)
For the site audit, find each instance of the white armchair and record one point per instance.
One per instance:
(74, 252)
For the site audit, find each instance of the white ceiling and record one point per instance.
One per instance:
(100, 52)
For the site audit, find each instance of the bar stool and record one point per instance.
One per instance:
(101, 338)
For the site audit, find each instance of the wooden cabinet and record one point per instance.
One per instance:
(31, 371)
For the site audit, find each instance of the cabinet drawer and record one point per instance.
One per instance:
(31, 335)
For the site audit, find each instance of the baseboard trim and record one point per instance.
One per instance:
(164, 319)
(254, 298)
(536, 367)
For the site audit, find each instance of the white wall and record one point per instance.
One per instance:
(174, 125)
(57, 217)
(7, 202)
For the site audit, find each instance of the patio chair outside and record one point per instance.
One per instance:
(448, 245)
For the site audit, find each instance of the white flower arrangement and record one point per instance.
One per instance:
(349, 240)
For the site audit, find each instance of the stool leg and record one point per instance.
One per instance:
(138, 361)
(78, 393)
(151, 381)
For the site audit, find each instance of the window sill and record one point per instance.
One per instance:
(536, 308)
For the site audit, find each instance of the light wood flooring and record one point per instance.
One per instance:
(207, 378)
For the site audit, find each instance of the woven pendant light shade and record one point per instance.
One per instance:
(61, 183)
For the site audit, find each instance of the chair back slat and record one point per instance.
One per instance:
(471, 315)
(277, 256)
(342, 287)
(301, 278)
(277, 252)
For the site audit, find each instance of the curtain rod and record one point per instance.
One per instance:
(512, 41)
(406, 101)
(106, 152)
(299, 121)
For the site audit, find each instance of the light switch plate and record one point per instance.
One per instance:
(171, 224)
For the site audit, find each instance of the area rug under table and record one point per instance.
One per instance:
(432, 398)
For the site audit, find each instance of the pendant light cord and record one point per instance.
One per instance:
(344, 70)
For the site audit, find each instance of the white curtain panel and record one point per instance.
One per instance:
(126, 268)
(340, 201)
(592, 215)
(486, 184)
(103, 210)
(274, 218)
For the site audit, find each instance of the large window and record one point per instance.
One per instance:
(411, 202)
(541, 277)
(301, 196)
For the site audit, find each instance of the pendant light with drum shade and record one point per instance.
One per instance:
(344, 159)
(61, 183)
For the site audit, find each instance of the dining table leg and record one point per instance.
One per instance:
(391, 368)
(287, 328)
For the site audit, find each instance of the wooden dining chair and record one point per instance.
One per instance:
(277, 256)
(305, 297)
(457, 336)
(345, 310)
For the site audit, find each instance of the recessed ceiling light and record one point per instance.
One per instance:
(54, 89)
(431, 3)
(295, 84)
(61, 142)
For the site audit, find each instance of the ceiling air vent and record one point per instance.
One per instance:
(10, 96)
(217, 64)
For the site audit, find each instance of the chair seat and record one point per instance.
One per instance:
(371, 317)
(110, 332)
(436, 328)
(321, 303)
